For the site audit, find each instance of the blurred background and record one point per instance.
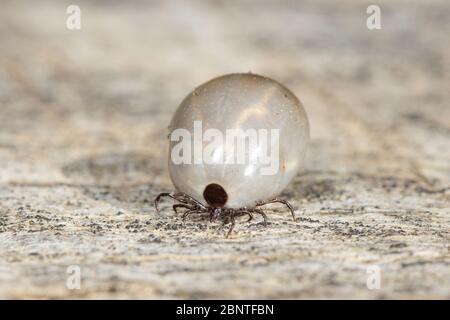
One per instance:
(83, 125)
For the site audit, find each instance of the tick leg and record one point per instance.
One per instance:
(180, 205)
(164, 194)
(187, 199)
(262, 214)
(276, 200)
(180, 197)
(245, 211)
(231, 226)
(189, 212)
(222, 225)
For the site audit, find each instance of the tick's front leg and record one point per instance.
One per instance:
(233, 222)
(180, 205)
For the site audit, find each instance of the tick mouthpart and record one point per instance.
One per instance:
(215, 195)
(215, 213)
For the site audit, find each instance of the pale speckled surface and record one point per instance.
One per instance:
(82, 150)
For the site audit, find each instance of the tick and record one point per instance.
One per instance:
(236, 142)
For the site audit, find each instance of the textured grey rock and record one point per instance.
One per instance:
(83, 151)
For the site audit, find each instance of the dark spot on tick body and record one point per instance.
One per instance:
(215, 195)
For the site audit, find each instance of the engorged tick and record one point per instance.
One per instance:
(233, 177)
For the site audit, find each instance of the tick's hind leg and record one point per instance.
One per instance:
(276, 200)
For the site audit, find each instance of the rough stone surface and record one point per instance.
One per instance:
(84, 116)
